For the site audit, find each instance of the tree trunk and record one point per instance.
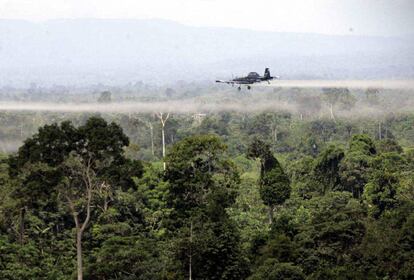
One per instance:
(80, 228)
(106, 204)
(190, 272)
(89, 186)
(270, 213)
(79, 254)
(163, 146)
(331, 111)
(379, 131)
(21, 230)
(163, 122)
(274, 134)
(152, 139)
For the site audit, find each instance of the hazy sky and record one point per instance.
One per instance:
(368, 17)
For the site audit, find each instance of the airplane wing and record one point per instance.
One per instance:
(225, 82)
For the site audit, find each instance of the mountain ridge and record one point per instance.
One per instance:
(87, 51)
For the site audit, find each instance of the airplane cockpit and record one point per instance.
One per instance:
(253, 75)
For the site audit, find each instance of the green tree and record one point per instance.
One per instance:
(202, 183)
(274, 183)
(303, 180)
(330, 236)
(381, 192)
(64, 164)
(327, 168)
(274, 270)
(356, 166)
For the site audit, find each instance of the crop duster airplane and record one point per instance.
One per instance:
(250, 79)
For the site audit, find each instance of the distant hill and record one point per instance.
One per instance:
(91, 51)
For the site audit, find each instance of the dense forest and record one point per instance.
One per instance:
(310, 193)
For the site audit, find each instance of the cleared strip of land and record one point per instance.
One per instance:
(175, 106)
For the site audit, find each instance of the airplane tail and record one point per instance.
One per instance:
(267, 73)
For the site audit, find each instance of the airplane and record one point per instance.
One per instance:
(250, 79)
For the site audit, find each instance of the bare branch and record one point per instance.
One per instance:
(88, 210)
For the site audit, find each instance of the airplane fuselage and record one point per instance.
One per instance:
(250, 79)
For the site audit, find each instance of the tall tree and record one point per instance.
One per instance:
(274, 183)
(356, 166)
(79, 188)
(381, 192)
(326, 168)
(202, 184)
(62, 161)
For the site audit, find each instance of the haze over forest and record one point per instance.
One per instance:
(117, 52)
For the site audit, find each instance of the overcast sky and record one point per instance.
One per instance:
(362, 17)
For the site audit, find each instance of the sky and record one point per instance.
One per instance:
(359, 17)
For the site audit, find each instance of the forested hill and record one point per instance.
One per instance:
(91, 51)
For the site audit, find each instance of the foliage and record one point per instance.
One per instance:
(274, 183)
(339, 194)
